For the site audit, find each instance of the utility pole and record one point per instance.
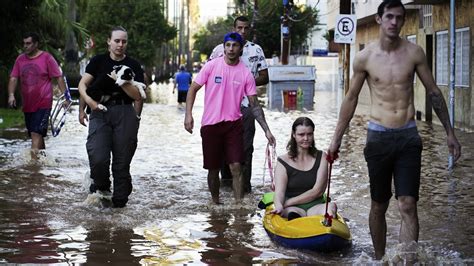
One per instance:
(71, 67)
(285, 33)
(452, 63)
(182, 33)
(345, 8)
(189, 64)
(252, 24)
(175, 52)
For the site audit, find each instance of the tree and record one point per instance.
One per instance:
(303, 20)
(73, 45)
(208, 37)
(266, 26)
(48, 18)
(146, 25)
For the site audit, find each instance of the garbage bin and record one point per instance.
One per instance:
(291, 87)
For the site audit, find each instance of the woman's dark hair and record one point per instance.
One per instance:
(390, 4)
(291, 147)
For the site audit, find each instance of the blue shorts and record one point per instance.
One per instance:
(38, 121)
(222, 143)
(393, 153)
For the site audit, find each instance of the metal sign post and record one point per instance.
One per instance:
(346, 26)
(452, 76)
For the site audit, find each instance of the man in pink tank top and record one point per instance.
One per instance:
(227, 81)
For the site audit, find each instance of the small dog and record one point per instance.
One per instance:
(125, 74)
(102, 89)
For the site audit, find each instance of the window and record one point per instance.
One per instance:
(442, 63)
(427, 15)
(462, 57)
(411, 38)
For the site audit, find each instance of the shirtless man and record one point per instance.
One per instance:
(393, 145)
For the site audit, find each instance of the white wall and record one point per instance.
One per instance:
(317, 40)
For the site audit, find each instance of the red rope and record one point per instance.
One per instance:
(270, 157)
(327, 217)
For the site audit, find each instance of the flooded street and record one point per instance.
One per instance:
(169, 218)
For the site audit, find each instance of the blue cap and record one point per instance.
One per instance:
(234, 36)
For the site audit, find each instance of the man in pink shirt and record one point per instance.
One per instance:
(227, 81)
(35, 69)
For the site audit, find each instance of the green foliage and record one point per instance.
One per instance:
(15, 17)
(48, 18)
(266, 27)
(11, 118)
(208, 37)
(144, 20)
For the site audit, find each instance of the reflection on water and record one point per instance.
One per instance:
(170, 218)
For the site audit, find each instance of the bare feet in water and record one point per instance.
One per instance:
(216, 201)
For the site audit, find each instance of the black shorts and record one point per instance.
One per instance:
(394, 153)
(38, 121)
(182, 96)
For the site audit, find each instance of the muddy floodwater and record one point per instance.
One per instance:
(169, 219)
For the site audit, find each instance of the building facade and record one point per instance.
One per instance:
(427, 24)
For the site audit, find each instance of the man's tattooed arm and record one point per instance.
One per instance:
(257, 112)
(439, 105)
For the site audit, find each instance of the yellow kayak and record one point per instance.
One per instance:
(306, 232)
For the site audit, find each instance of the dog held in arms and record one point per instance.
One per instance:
(102, 89)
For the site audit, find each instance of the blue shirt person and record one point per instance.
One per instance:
(182, 80)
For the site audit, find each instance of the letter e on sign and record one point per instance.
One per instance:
(345, 31)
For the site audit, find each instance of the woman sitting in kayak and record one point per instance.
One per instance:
(301, 175)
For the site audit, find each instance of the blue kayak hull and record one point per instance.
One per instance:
(325, 243)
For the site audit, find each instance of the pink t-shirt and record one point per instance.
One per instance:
(225, 86)
(35, 78)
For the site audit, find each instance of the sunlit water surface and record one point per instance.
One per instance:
(44, 217)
